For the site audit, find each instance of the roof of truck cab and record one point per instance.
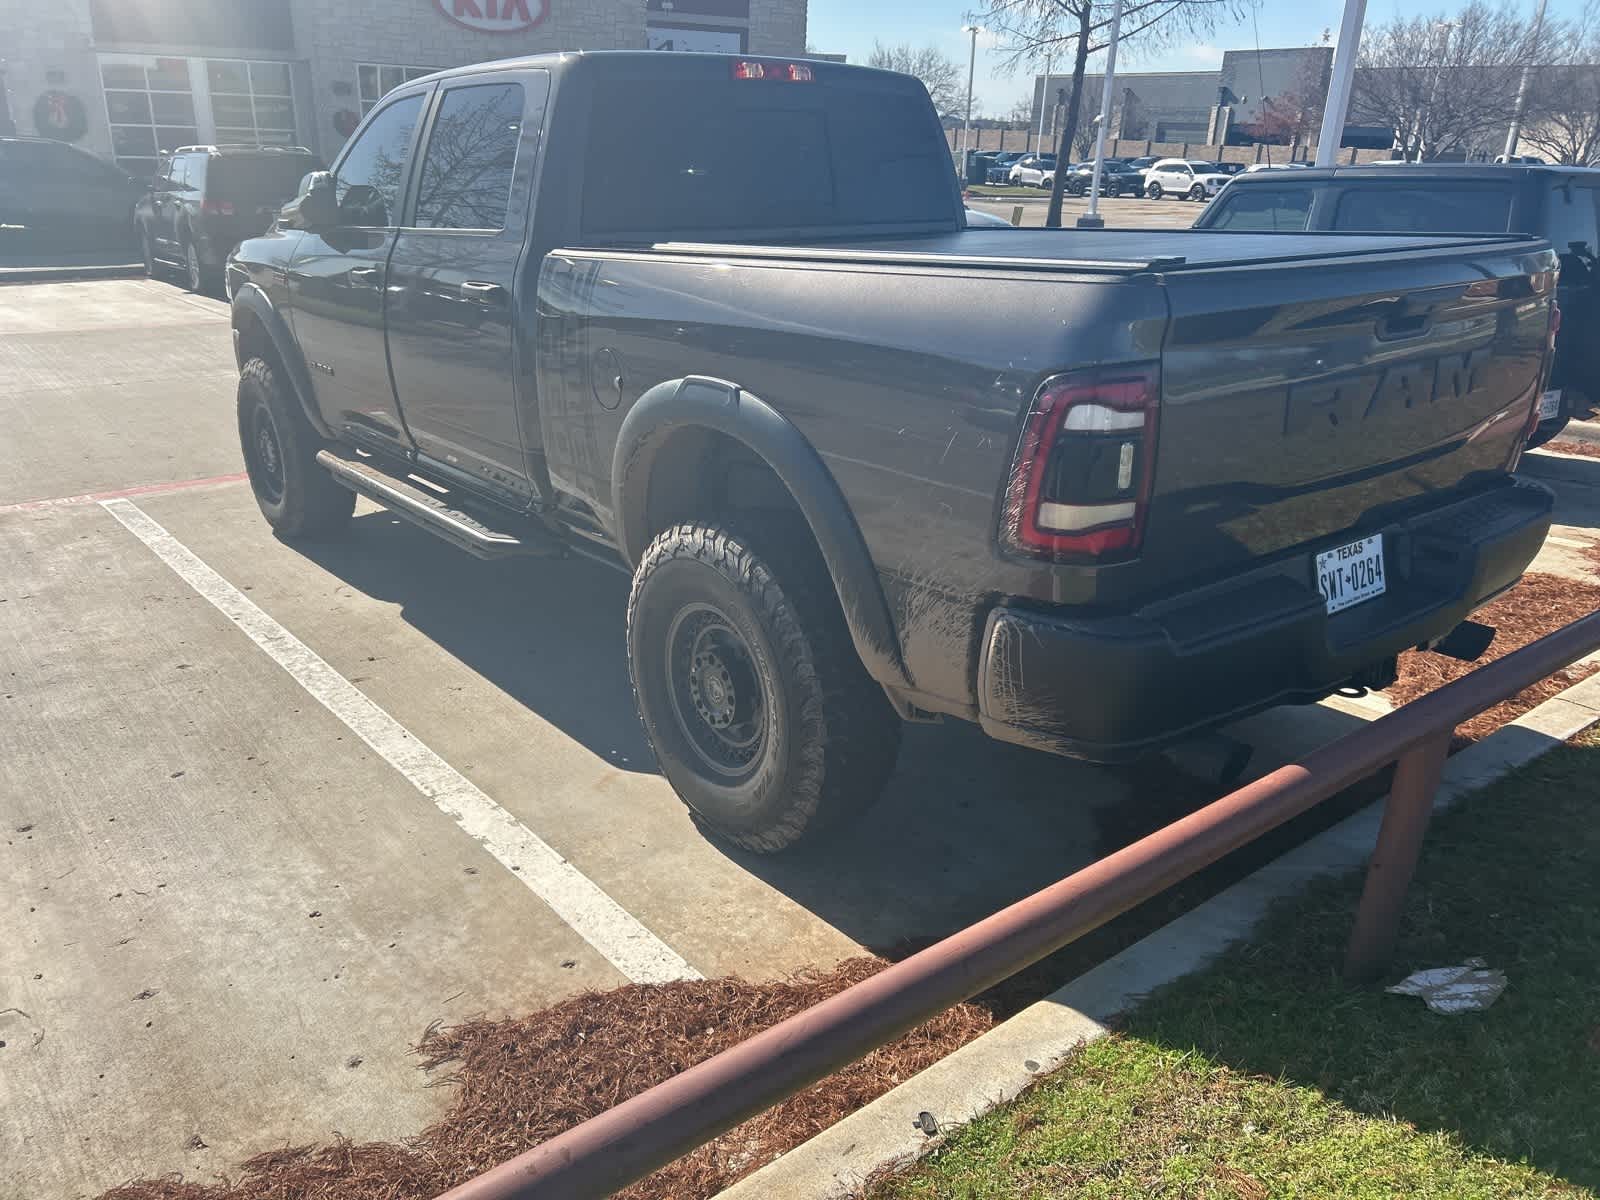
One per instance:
(1400, 173)
(1112, 250)
(565, 60)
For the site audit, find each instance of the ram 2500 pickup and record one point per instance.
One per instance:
(720, 321)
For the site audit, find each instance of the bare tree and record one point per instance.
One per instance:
(1562, 120)
(1446, 84)
(1029, 31)
(1021, 114)
(1289, 118)
(939, 73)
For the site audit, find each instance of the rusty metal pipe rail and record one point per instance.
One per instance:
(625, 1143)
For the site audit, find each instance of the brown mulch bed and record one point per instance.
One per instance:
(521, 1081)
(1538, 605)
(1583, 449)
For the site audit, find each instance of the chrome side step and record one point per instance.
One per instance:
(436, 514)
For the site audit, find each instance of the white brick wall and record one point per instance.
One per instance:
(332, 36)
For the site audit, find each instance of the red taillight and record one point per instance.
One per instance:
(1080, 484)
(786, 72)
(217, 208)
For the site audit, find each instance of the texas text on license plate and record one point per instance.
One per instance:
(1352, 573)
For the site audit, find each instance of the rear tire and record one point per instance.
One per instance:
(761, 715)
(296, 495)
(1153, 191)
(194, 277)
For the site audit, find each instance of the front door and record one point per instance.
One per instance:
(460, 329)
(337, 279)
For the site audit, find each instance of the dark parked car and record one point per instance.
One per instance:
(205, 200)
(1117, 178)
(56, 198)
(1094, 490)
(1000, 169)
(1559, 204)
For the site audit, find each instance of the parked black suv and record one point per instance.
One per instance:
(205, 200)
(1560, 204)
(55, 197)
(1117, 178)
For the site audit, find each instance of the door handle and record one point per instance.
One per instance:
(473, 289)
(365, 275)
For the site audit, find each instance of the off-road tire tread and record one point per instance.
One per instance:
(316, 507)
(845, 738)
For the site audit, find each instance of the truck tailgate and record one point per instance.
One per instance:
(1304, 400)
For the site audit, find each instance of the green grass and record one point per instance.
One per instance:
(1265, 1076)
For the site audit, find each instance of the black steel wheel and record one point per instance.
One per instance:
(761, 715)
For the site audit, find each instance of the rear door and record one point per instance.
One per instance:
(459, 332)
(337, 277)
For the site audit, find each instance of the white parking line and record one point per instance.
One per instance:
(593, 915)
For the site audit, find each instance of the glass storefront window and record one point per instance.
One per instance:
(251, 102)
(150, 107)
(376, 80)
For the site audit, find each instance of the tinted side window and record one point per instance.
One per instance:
(372, 172)
(472, 151)
(1570, 216)
(1435, 208)
(198, 165)
(178, 172)
(1263, 209)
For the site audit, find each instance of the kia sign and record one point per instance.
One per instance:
(495, 16)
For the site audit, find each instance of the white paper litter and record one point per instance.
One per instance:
(1471, 987)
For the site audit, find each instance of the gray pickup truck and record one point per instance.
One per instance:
(719, 321)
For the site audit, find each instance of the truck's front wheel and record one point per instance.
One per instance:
(762, 717)
(294, 493)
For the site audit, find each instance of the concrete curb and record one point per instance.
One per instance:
(1565, 468)
(65, 273)
(1003, 1062)
(1582, 431)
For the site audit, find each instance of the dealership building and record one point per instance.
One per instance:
(129, 79)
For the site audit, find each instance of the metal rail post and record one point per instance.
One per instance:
(1394, 858)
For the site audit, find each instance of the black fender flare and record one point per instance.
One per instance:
(716, 404)
(251, 299)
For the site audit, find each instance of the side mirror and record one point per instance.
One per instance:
(315, 207)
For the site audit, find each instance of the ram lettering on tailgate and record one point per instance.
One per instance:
(1351, 400)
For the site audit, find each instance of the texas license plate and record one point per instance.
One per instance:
(1550, 404)
(1352, 573)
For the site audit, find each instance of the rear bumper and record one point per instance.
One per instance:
(1112, 688)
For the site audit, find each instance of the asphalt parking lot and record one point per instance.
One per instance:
(1120, 212)
(270, 810)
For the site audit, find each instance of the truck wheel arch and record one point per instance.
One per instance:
(649, 436)
(259, 331)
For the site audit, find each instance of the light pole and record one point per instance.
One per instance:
(1044, 98)
(1092, 219)
(1339, 82)
(1515, 132)
(972, 66)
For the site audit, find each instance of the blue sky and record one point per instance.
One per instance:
(849, 27)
